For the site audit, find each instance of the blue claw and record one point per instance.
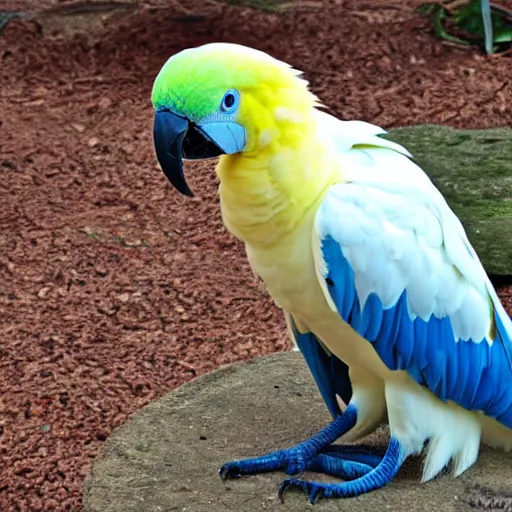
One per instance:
(314, 490)
(297, 459)
(361, 468)
(374, 479)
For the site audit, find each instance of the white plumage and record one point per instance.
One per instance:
(398, 234)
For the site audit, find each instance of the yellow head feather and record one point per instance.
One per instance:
(272, 92)
(282, 168)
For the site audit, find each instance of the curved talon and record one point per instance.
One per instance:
(229, 470)
(285, 484)
(315, 491)
(316, 494)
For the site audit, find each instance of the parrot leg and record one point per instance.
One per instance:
(317, 454)
(377, 477)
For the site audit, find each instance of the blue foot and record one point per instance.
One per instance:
(297, 459)
(340, 468)
(347, 462)
(373, 479)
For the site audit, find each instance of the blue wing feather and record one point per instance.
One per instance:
(473, 373)
(330, 373)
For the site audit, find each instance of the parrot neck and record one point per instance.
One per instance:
(264, 197)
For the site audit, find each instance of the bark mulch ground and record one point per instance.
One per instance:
(115, 289)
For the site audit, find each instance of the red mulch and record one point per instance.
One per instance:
(115, 289)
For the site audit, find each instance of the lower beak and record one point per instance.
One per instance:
(169, 131)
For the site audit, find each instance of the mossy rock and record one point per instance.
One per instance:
(473, 170)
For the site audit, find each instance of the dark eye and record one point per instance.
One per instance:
(230, 101)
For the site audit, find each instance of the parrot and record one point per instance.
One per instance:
(380, 288)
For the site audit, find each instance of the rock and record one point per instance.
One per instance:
(80, 128)
(43, 292)
(473, 170)
(101, 271)
(124, 297)
(93, 142)
(167, 455)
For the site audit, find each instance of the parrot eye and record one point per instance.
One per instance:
(230, 101)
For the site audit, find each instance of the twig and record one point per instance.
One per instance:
(186, 365)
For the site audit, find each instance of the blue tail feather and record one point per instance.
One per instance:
(330, 373)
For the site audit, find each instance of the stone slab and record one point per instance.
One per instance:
(165, 458)
(473, 171)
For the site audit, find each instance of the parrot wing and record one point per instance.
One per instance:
(330, 373)
(400, 270)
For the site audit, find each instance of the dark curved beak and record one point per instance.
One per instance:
(176, 138)
(168, 132)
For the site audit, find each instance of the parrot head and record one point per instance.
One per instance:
(224, 99)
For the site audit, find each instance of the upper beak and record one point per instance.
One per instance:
(169, 130)
(175, 138)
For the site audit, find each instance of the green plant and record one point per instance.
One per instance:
(475, 22)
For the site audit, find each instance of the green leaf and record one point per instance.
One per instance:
(441, 32)
(427, 9)
(503, 37)
(481, 24)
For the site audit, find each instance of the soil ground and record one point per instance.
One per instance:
(115, 289)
